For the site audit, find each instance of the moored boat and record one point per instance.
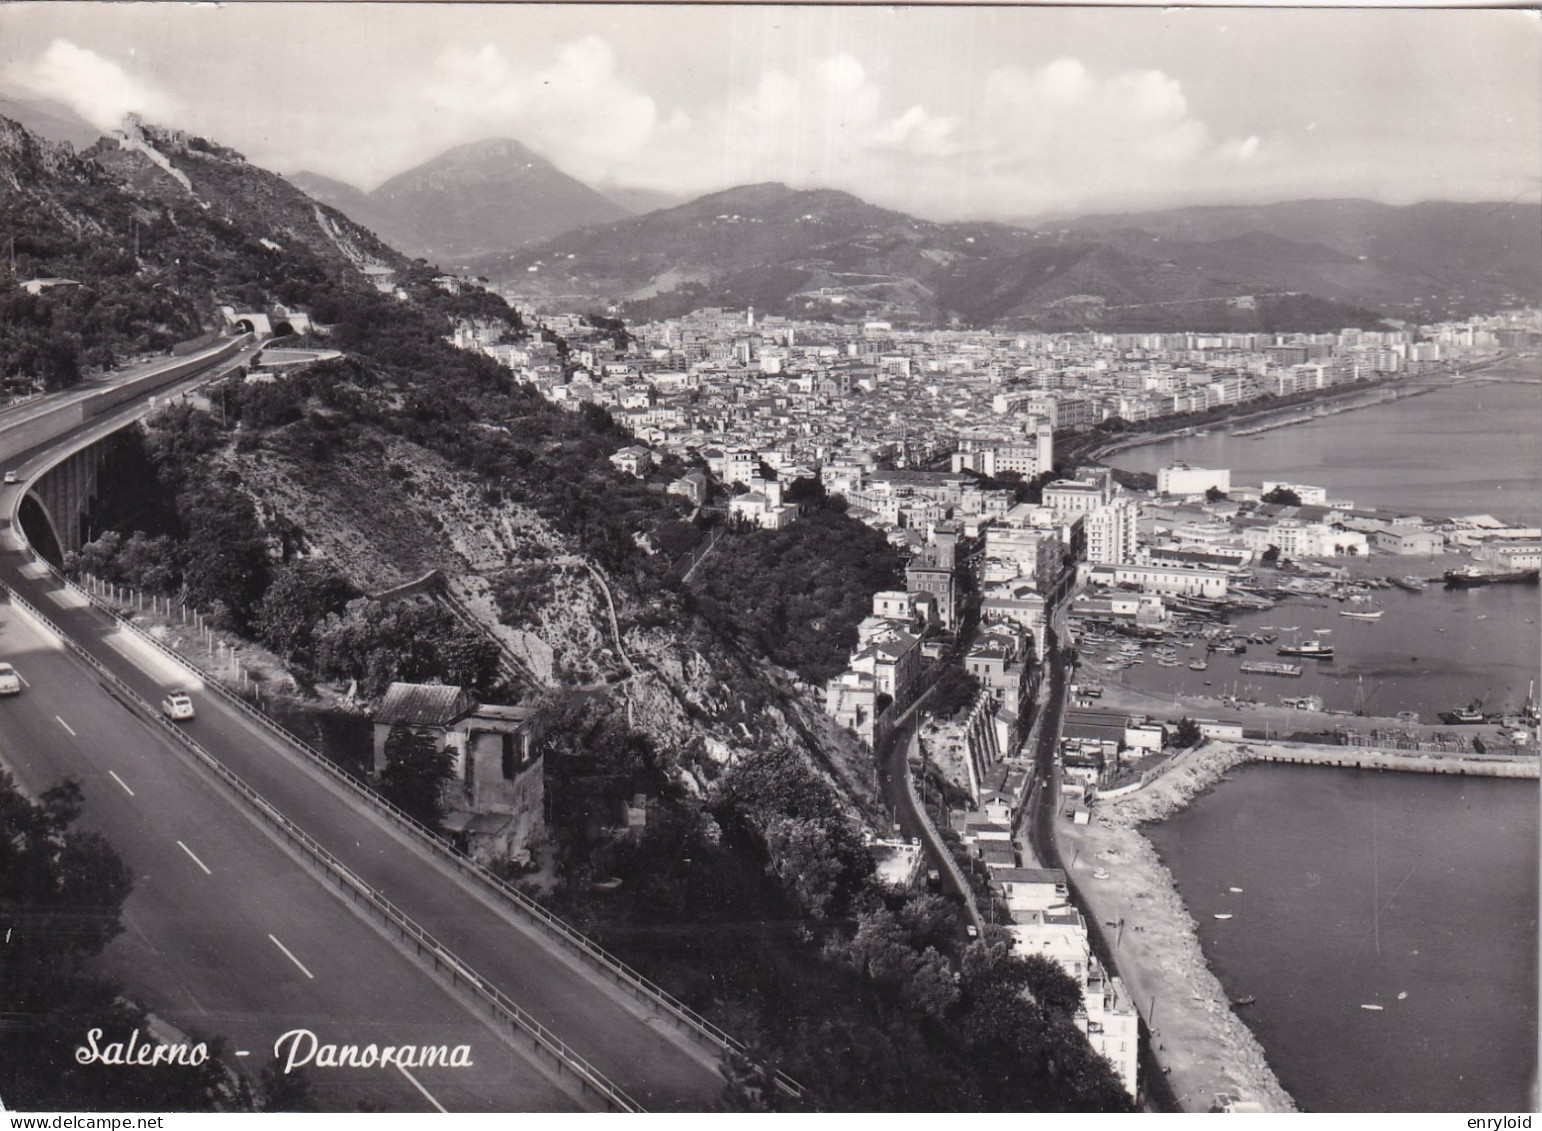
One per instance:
(1311, 649)
(1471, 577)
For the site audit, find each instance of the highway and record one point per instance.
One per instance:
(225, 932)
(649, 1056)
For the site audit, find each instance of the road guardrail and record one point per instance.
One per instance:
(424, 943)
(641, 987)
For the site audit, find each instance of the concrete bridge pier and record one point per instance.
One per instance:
(64, 495)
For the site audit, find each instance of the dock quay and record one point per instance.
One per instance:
(1360, 758)
(1265, 667)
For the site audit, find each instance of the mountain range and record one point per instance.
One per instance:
(496, 209)
(485, 196)
(1295, 265)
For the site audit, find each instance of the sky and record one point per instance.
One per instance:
(953, 112)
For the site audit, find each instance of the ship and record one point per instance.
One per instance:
(1311, 649)
(1470, 715)
(1471, 577)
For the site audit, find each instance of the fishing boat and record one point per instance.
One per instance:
(1412, 584)
(1310, 649)
(1241, 1001)
(1198, 665)
(1361, 616)
(1223, 915)
(1373, 1008)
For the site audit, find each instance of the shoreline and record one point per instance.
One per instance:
(1195, 1036)
(1158, 953)
(1414, 386)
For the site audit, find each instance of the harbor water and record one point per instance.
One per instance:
(1413, 893)
(1430, 652)
(1472, 447)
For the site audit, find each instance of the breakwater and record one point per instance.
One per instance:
(1359, 758)
(1195, 1036)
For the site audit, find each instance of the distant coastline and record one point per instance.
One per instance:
(1178, 426)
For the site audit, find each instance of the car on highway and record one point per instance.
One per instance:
(177, 706)
(10, 477)
(10, 682)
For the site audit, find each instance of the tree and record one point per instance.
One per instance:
(301, 596)
(820, 860)
(61, 898)
(1057, 993)
(1270, 556)
(956, 689)
(1282, 497)
(1186, 734)
(1214, 494)
(805, 489)
(416, 773)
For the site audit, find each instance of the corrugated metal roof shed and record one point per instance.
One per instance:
(423, 704)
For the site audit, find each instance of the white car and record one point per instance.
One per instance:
(10, 682)
(10, 477)
(177, 706)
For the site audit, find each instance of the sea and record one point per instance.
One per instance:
(1470, 447)
(1412, 892)
(1416, 893)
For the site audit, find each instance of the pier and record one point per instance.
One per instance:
(1360, 758)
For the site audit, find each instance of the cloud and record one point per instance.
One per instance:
(577, 107)
(95, 87)
(1027, 140)
(826, 123)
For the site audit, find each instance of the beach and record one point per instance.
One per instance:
(1195, 1035)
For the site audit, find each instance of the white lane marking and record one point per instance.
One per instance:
(242, 1052)
(119, 780)
(194, 858)
(413, 1080)
(293, 959)
(65, 725)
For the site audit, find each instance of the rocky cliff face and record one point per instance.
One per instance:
(697, 699)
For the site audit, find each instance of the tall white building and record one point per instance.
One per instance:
(1110, 531)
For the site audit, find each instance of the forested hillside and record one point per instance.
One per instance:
(276, 506)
